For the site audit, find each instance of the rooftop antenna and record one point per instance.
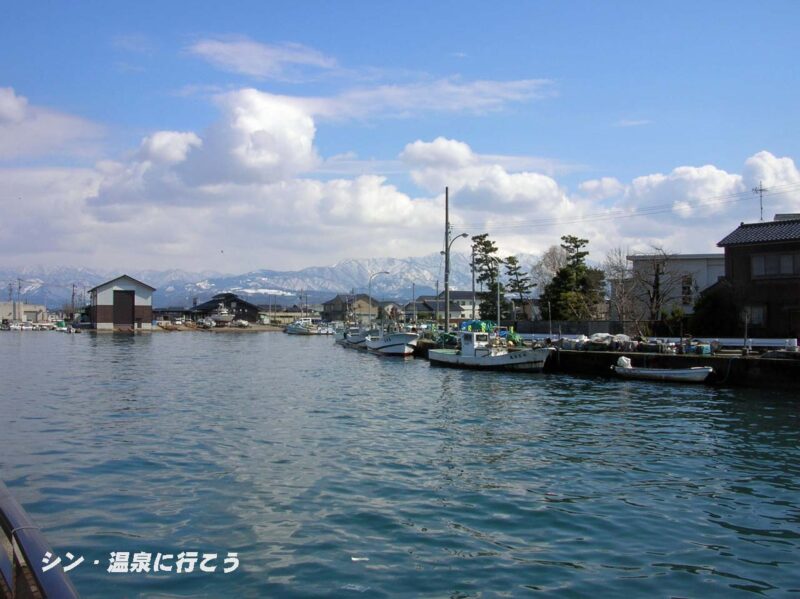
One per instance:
(760, 191)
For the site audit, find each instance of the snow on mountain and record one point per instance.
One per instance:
(53, 286)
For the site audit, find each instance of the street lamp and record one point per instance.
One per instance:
(447, 282)
(369, 292)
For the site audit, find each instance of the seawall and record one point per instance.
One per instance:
(733, 371)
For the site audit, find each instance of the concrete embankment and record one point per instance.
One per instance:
(729, 370)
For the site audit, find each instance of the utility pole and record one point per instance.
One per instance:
(760, 191)
(473, 281)
(446, 260)
(414, 301)
(437, 303)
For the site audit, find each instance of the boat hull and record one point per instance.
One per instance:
(698, 374)
(393, 344)
(526, 360)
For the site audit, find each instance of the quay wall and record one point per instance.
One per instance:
(729, 371)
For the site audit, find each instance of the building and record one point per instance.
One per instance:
(661, 284)
(352, 308)
(121, 303)
(762, 265)
(463, 299)
(21, 312)
(241, 309)
(428, 307)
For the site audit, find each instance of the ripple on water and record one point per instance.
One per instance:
(332, 472)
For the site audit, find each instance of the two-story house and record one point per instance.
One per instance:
(762, 264)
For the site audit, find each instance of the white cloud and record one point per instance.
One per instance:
(31, 131)
(444, 95)
(244, 186)
(247, 57)
(633, 123)
(168, 146)
(601, 189)
(691, 190)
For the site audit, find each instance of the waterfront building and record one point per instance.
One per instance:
(121, 303)
(762, 266)
(238, 307)
(22, 312)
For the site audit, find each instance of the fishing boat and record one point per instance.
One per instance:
(354, 337)
(222, 316)
(303, 326)
(481, 351)
(695, 374)
(398, 343)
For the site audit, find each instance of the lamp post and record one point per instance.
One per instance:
(369, 292)
(447, 282)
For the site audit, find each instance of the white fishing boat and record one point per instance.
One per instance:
(353, 337)
(695, 374)
(393, 344)
(222, 316)
(482, 351)
(303, 326)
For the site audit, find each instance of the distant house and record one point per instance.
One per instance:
(351, 307)
(762, 264)
(463, 299)
(122, 303)
(429, 307)
(241, 309)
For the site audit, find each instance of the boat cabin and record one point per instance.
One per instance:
(481, 343)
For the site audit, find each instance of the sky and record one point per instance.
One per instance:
(246, 135)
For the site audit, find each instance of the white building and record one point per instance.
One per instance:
(122, 303)
(680, 278)
(22, 312)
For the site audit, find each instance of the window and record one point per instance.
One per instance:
(686, 290)
(775, 265)
(755, 315)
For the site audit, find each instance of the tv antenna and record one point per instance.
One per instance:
(760, 191)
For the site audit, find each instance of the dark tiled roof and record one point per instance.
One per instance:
(782, 230)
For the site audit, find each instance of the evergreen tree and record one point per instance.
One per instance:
(487, 273)
(576, 290)
(519, 282)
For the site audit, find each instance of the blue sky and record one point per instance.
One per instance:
(298, 134)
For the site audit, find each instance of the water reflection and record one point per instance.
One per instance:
(302, 455)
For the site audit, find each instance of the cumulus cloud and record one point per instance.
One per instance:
(247, 186)
(260, 137)
(263, 61)
(168, 147)
(31, 131)
(601, 189)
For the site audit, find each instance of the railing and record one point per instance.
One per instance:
(22, 547)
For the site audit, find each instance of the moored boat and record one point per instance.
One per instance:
(393, 344)
(695, 374)
(481, 351)
(303, 326)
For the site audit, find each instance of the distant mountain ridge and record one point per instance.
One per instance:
(53, 286)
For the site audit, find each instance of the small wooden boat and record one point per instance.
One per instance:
(695, 374)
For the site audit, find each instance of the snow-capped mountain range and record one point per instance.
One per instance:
(54, 286)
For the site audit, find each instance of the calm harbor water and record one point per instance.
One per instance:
(337, 473)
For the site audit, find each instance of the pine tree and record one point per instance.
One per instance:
(519, 282)
(576, 290)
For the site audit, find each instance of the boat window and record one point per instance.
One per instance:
(482, 337)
